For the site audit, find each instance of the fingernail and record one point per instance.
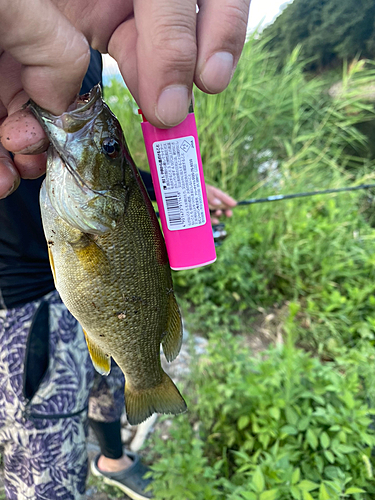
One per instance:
(15, 185)
(35, 149)
(173, 104)
(216, 201)
(217, 72)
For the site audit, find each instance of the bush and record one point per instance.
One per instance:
(285, 425)
(318, 252)
(275, 132)
(282, 426)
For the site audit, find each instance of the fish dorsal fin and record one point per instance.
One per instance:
(164, 398)
(100, 360)
(172, 340)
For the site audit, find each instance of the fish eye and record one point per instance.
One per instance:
(110, 148)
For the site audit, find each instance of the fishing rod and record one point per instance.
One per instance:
(279, 197)
(220, 233)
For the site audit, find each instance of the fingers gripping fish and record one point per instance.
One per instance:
(108, 255)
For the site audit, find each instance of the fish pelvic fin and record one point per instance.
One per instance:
(52, 264)
(172, 340)
(100, 360)
(164, 398)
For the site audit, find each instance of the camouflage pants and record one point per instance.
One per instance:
(45, 380)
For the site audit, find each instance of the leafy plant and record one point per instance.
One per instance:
(284, 425)
(276, 132)
(182, 471)
(105, 491)
(281, 426)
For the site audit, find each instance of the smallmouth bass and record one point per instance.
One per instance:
(108, 255)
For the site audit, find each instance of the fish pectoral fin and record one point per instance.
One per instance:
(164, 398)
(100, 360)
(173, 336)
(91, 256)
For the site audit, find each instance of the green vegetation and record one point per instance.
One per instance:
(98, 486)
(293, 422)
(330, 31)
(284, 426)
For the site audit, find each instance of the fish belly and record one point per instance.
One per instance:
(125, 309)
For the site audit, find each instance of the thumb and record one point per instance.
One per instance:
(53, 54)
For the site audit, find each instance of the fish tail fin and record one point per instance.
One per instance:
(172, 340)
(164, 398)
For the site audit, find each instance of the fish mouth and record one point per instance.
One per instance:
(62, 130)
(84, 109)
(71, 135)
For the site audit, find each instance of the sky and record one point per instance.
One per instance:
(262, 12)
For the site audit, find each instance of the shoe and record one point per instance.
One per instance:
(129, 480)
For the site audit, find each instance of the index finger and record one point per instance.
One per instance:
(166, 58)
(221, 33)
(217, 199)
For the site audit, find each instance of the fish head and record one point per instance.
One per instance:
(86, 163)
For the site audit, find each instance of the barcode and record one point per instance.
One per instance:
(172, 204)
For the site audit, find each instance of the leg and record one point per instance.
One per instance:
(123, 470)
(43, 411)
(47, 460)
(106, 405)
(112, 458)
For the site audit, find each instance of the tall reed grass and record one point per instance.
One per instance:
(279, 131)
(270, 120)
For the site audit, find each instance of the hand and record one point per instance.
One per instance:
(43, 56)
(161, 46)
(219, 203)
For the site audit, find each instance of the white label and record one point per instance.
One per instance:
(177, 164)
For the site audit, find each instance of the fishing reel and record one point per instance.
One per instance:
(219, 233)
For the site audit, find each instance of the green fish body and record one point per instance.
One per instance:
(108, 255)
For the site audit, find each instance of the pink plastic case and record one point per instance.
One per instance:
(177, 175)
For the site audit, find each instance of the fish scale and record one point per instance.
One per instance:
(108, 255)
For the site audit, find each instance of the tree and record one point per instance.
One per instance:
(329, 30)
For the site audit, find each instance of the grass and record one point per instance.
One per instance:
(110, 492)
(277, 132)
